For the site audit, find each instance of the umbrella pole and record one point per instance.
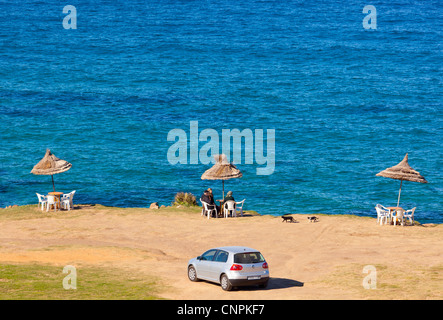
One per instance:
(399, 193)
(53, 187)
(223, 189)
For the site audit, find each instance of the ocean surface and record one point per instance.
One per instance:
(345, 102)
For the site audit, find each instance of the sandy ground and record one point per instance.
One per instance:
(322, 260)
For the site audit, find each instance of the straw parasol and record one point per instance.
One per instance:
(222, 170)
(402, 171)
(51, 165)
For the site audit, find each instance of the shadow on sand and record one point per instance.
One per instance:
(274, 284)
(283, 283)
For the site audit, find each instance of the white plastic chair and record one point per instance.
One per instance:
(52, 200)
(229, 208)
(71, 196)
(66, 201)
(239, 207)
(383, 214)
(399, 217)
(208, 209)
(42, 200)
(409, 214)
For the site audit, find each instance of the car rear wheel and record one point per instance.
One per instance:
(225, 283)
(192, 274)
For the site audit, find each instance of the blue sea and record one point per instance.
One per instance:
(345, 102)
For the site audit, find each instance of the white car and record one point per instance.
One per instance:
(230, 267)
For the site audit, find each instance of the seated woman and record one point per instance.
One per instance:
(228, 197)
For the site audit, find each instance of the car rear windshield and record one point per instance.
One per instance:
(248, 257)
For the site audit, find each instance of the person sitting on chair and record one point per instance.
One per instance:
(209, 199)
(228, 197)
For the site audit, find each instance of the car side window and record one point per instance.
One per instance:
(208, 255)
(221, 256)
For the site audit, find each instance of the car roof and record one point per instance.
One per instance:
(236, 249)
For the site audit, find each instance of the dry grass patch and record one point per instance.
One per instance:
(45, 282)
(415, 282)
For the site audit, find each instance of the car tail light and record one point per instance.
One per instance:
(265, 265)
(236, 267)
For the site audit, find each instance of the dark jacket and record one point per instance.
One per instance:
(208, 198)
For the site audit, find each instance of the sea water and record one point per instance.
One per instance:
(345, 101)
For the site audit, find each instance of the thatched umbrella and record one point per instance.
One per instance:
(222, 170)
(402, 171)
(51, 165)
